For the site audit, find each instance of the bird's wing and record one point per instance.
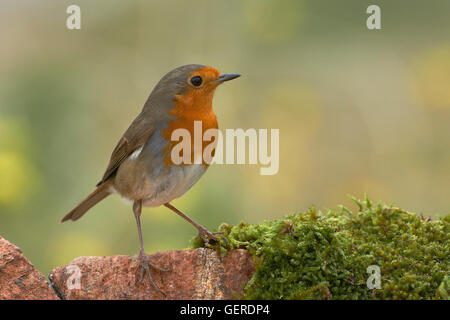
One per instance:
(139, 132)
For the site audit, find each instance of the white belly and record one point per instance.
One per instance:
(152, 181)
(177, 182)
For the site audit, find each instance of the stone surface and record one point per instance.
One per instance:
(18, 278)
(190, 274)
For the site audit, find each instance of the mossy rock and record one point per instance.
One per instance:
(317, 255)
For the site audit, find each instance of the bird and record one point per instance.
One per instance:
(141, 169)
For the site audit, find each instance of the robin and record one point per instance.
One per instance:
(141, 169)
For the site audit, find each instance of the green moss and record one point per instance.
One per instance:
(317, 255)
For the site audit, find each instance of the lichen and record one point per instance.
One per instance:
(325, 255)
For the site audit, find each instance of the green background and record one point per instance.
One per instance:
(358, 111)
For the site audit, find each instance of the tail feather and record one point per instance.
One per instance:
(91, 200)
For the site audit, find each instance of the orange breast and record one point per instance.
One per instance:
(194, 105)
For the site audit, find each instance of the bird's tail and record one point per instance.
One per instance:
(100, 193)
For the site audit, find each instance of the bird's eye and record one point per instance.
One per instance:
(196, 81)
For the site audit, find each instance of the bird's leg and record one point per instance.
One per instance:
(144, 260)
(203, 233)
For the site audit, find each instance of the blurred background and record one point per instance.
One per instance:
(359, 111)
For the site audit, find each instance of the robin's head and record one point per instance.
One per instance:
(193, 83)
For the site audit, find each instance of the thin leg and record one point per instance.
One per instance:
(204, 233)
(137, 209)
(145, 263)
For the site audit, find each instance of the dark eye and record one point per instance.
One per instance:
(196, 81)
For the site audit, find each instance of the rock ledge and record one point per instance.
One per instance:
(19, 280)
(191, 274)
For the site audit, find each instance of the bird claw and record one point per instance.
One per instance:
(208, 236)
(145, 267)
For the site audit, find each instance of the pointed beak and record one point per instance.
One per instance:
(227, 77)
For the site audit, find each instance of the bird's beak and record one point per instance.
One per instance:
(227, 77)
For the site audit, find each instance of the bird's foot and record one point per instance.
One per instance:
(208, 236)
(145, 268)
